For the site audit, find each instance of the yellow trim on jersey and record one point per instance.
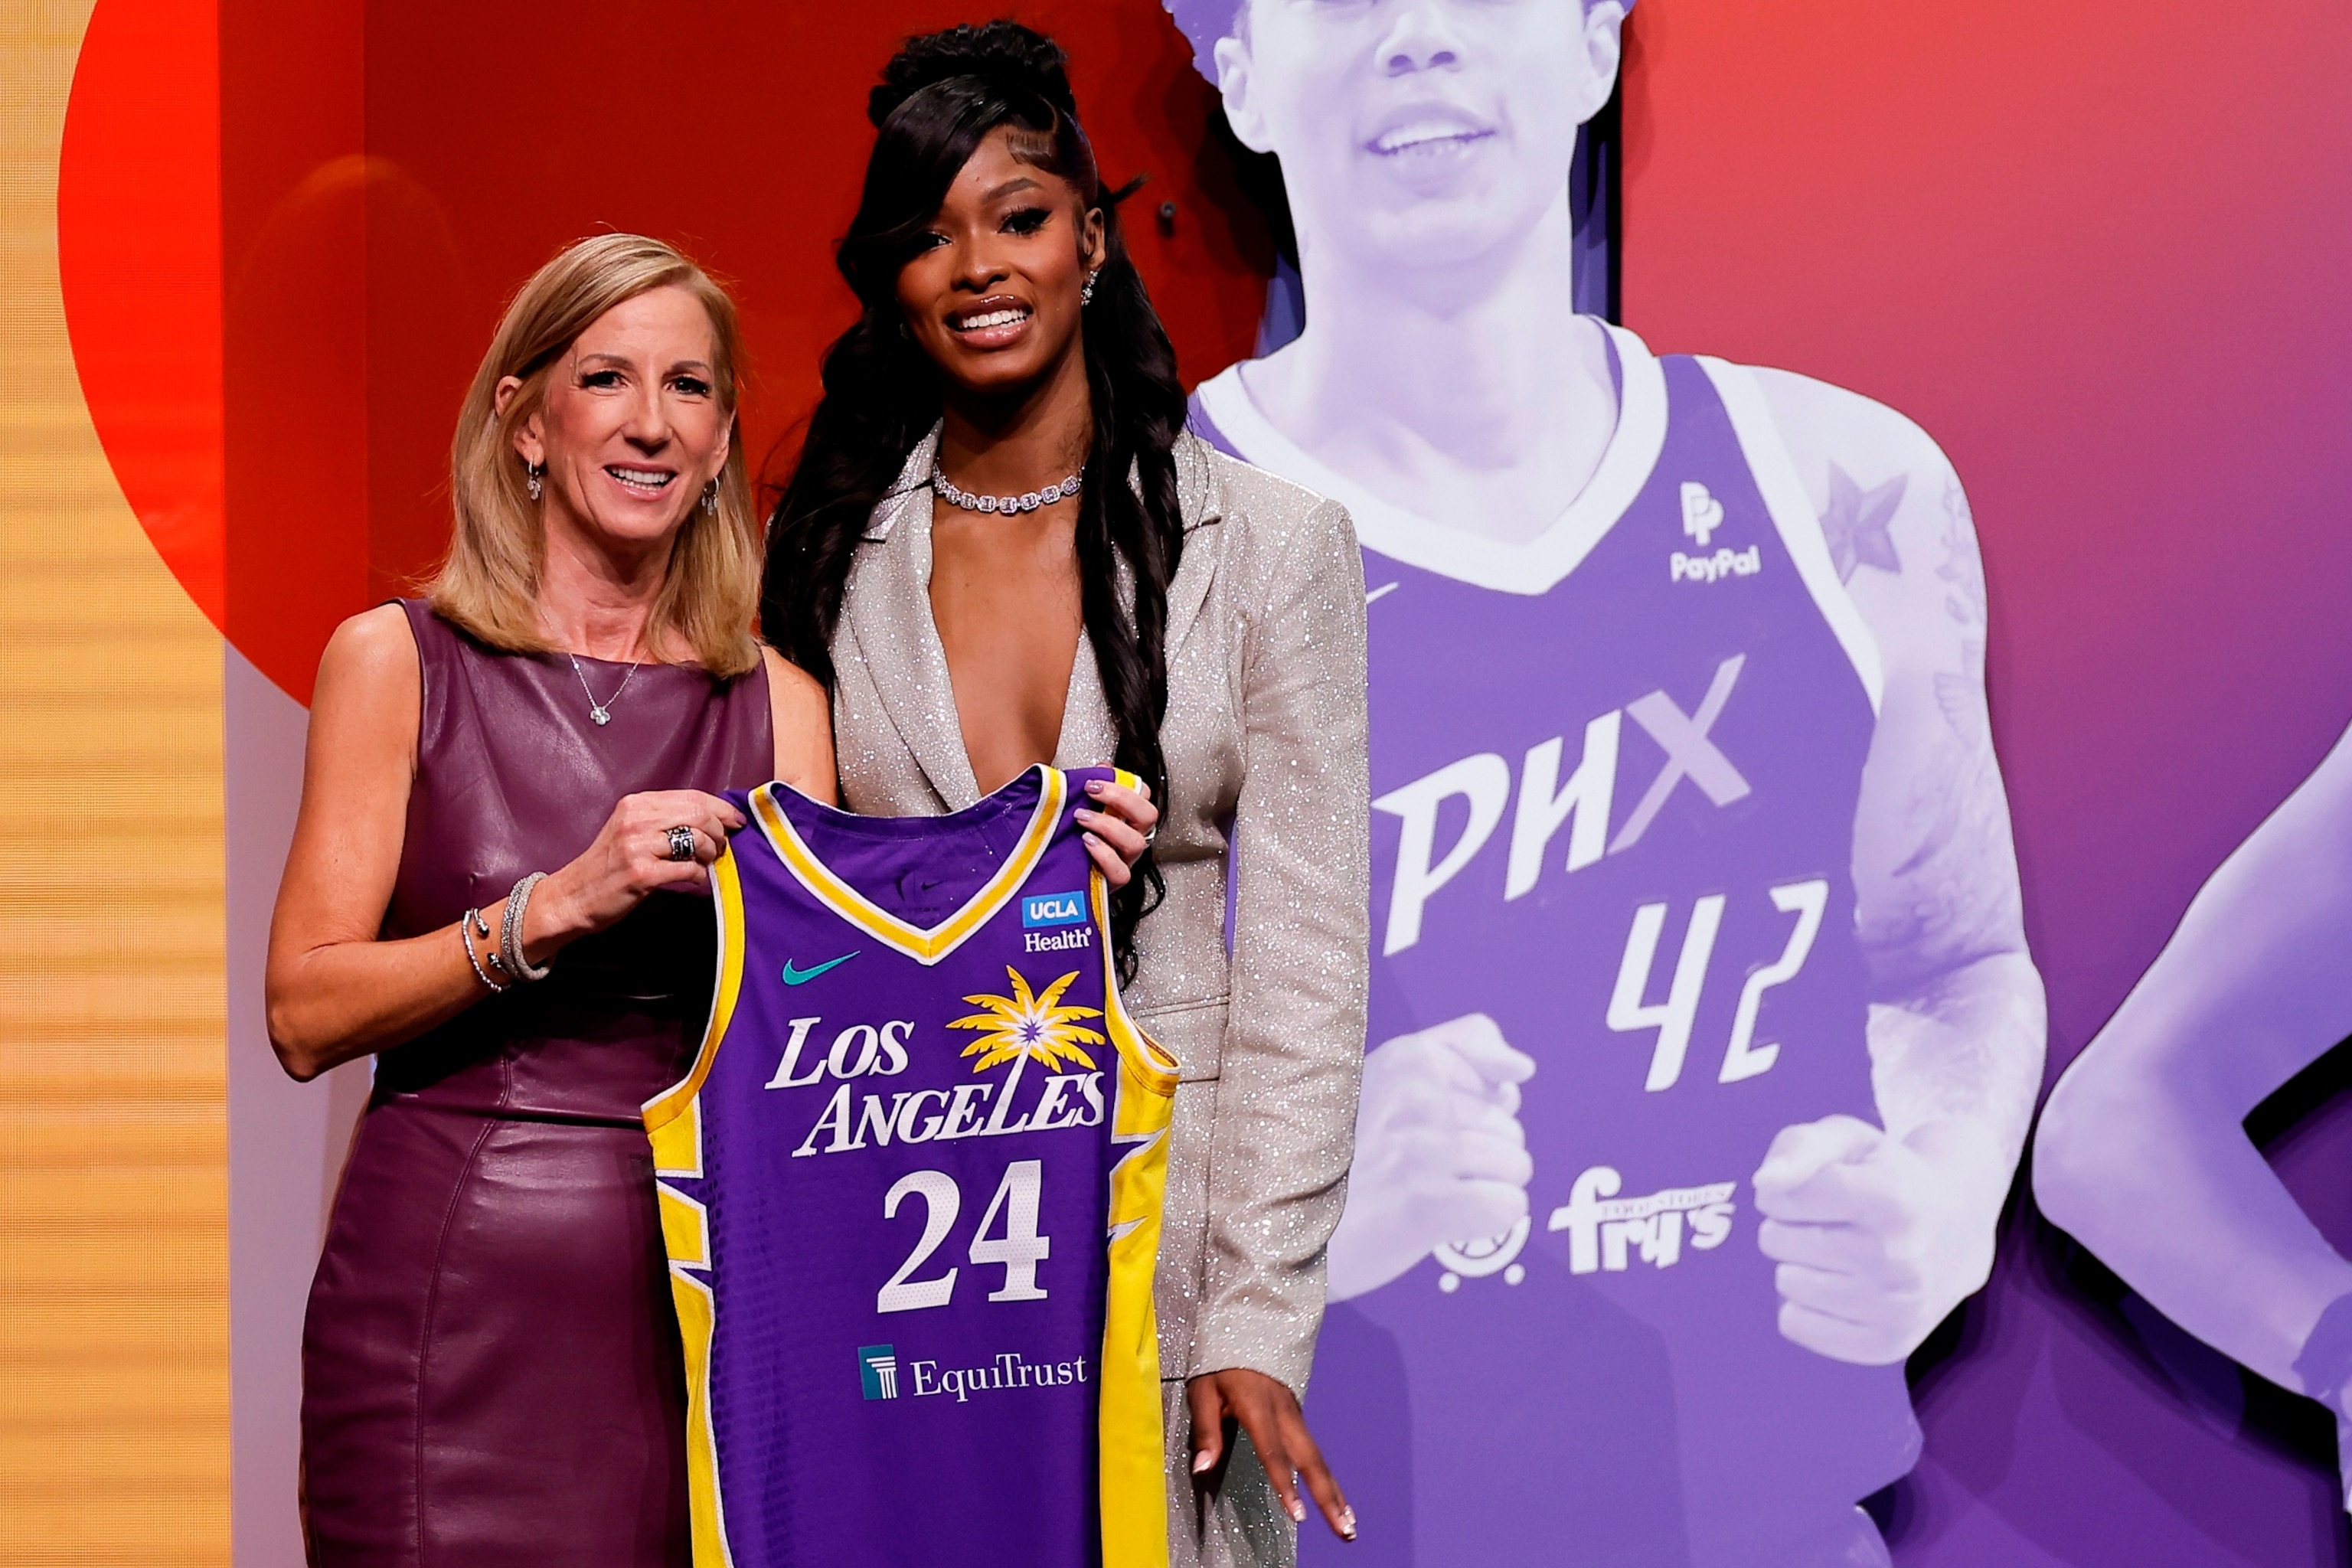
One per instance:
(1132, 1436)
(673, 1122)
(677, 1144)
(924, 946)
(698, 1309)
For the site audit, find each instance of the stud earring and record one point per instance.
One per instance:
(1087, 289)
(532, 472)
(710, 497)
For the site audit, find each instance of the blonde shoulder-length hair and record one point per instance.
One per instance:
(488, 581)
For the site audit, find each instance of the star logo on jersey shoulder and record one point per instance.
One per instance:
(1856, 523)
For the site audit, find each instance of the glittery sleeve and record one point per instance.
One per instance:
(1293, 1048)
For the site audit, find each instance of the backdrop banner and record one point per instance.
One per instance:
(1703, 1038)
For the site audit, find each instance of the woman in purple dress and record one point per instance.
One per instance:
(510, 796)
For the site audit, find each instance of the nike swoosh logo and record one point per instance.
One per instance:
(1382, 592)
(802, 976)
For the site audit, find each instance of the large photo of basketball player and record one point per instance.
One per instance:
(1704, 1034)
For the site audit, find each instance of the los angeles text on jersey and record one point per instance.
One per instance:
(852, 1118)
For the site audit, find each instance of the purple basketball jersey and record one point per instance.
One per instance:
(1615, 772)
(910, 1193)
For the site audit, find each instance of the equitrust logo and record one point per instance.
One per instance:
(1005, 1372)
(878, 1370)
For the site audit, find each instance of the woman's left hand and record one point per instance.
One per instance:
(1221, 1401)
(1119, 828)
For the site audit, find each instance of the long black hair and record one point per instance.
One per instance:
(940, 97)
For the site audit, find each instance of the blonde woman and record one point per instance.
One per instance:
(489, 1372)
(490, 1366)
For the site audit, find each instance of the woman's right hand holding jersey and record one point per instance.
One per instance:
(338, 988)
(1440, 1155)
(631, 858)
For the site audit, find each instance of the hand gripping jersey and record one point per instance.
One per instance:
(910, 1193)
(1615, 772)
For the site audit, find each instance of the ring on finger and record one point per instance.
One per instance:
(682, 843)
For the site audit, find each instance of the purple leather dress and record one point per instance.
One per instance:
(491, 1371)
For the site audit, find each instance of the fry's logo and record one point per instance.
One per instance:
(1604, 1231)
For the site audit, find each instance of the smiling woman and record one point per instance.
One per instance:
(1002, 547)
(490, 1367)
(612, 415)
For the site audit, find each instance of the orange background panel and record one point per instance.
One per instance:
(114, 1383)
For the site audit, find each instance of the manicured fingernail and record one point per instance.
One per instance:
(1094, 786)
(1204, 1462)
(1092, 839)
(1347, 1524)
(1297, 1511)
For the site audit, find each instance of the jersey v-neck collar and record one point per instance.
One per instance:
(1531, 567)
(925, 945)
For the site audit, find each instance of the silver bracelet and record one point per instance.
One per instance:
(510, 930)
(467, 927)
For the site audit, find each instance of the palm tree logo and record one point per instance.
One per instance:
(1028, 1025)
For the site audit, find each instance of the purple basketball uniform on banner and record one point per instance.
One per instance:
(910, 1193)
(1615, 771)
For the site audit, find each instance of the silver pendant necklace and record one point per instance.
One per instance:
(1030, 501)
(600, 711)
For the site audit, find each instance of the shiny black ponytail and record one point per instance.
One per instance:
(940, 98)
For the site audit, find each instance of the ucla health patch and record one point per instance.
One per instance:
(1053, 909)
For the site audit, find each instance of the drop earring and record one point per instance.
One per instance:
(1087, 289)
(531, 478)
(710, 497)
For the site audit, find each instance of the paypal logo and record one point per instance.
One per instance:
(1725, 563)
(1053, 909)
(1702, 513)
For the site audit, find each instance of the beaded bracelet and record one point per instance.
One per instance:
(467, 927)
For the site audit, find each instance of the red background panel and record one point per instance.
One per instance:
(2102, 251)
(737, 132)
(377, 181)
(139, 225)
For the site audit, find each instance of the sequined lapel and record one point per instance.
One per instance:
(1201, 498)
(890, 614)
(890, 610)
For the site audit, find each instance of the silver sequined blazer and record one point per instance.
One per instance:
(1265, 743)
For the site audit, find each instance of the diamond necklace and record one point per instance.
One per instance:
(1030, 501)
(600, 711)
